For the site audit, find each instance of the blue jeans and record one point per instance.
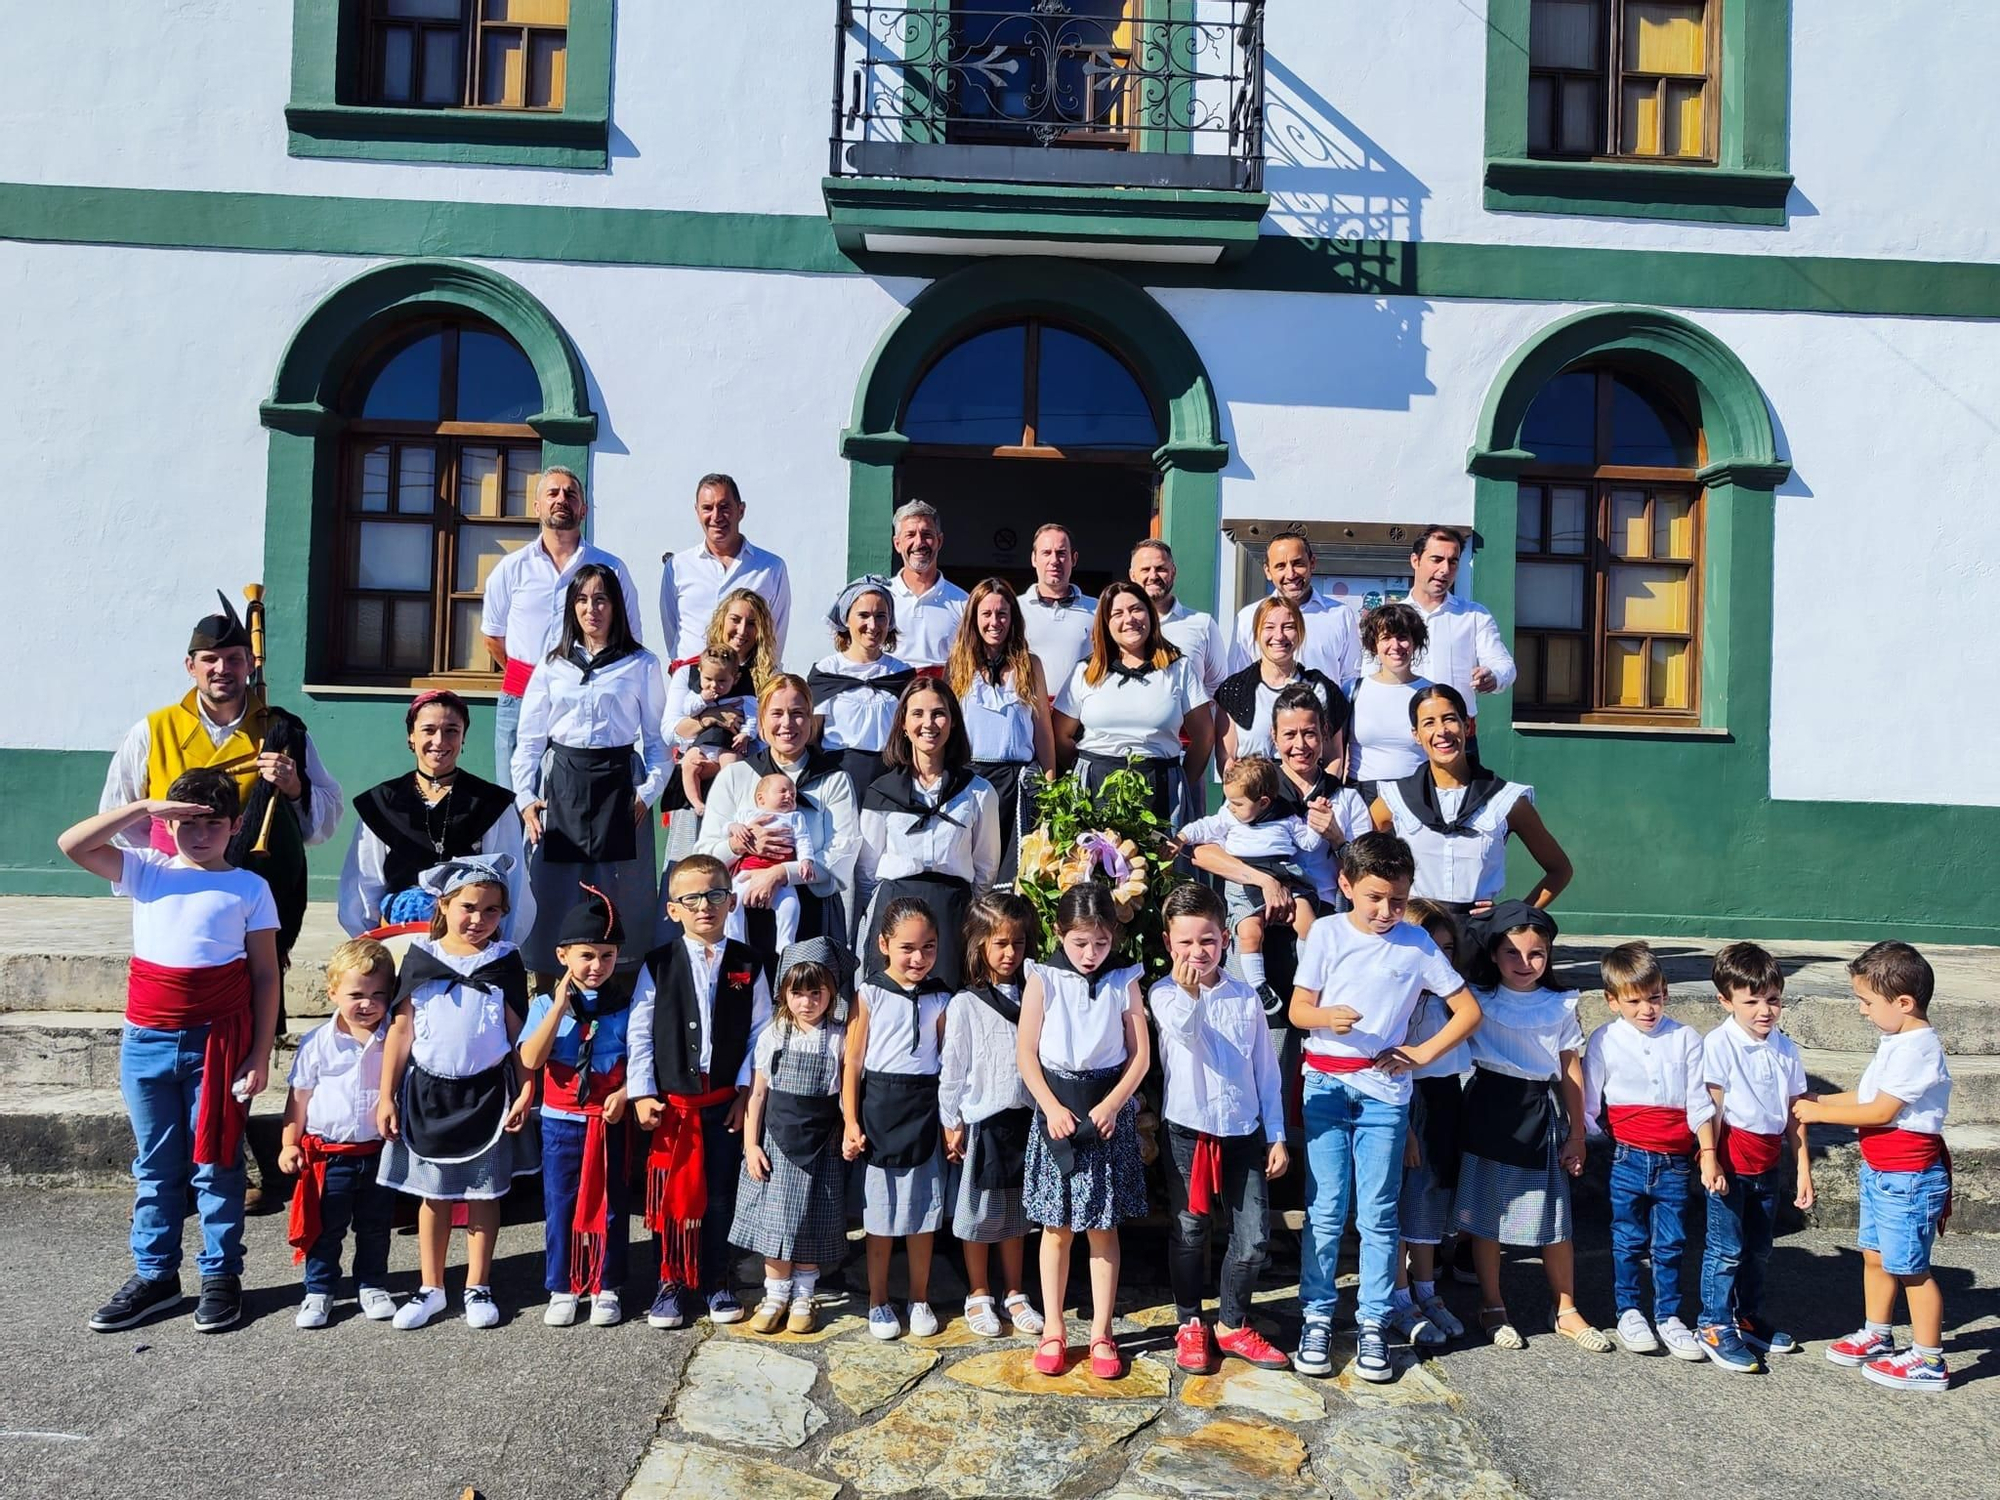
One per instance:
(1899, 1216)
(351, 1197)
(1649, 1194)
(1354, 1159)
(506, 727)
(159, 1073)
(1741, 1225)
(562, 1173)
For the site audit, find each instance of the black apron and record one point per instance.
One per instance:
(1511, 1120)
(948, 897)
(899, 1115)
(800, 1125)
(1164, 775)
(1079, 1093)
(588, 816)
(1010, 782)
(447, 1120)
(1440, 1114)
(997, 1152)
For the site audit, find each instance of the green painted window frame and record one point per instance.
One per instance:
(1749, 182)
(324, 121)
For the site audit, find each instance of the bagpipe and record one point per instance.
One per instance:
(284, 734)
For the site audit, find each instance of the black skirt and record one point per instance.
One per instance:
(899, 1115)
(589, 791)
(947, 896)
(1014, 782)
(1164, 777)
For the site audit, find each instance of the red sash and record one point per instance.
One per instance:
(589, 1225)
(1204, 1174)
(1751, 1151)
(514, 680)
(304, 1227)
(161, 998)
(1653, 1127)
(1326, 1062)
(1887, 1148)
(677, 1183)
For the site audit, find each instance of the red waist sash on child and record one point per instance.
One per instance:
(677, 1182)
(1652, 1127)
(161, 998)
(1751, 1152)
(304, 1226)
(514, 680)
(1337, 1062)
(590, 1225)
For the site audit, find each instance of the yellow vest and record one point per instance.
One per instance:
(178, 741)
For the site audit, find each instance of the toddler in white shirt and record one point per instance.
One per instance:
(713, 733)
(777, 802)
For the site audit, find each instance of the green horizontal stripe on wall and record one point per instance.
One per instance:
(299, 224)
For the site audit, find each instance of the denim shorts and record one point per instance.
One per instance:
(1899, 1216)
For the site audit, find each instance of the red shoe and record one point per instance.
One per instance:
(1191, 1347)
(1106, 1363)
(1858, 1348)
(1050, 1355)
(1250, 1346)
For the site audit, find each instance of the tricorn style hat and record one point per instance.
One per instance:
(219, 632)
(592, 920)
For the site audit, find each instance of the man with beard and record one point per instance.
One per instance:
(1198, 635)
(693, 582)
(928, 605)
(1465, 648)
(518, 618)
(1333, 634)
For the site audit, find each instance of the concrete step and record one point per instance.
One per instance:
(82, 1136)
(1975, 1081)
(78, 1049)
(1967, 1027)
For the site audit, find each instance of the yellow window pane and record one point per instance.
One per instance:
(522, 476)
(1673, 526)
(1628, 523)
(1642, 597)
(1668, 681)
(547, 70)
(1639, 123)
(480, 548)
(1564, 680)
(1664, 36)
(468, 651)
(534, 12)
(1549, 596)
(1564, 34)
(479, 482)
(502, 69)
(1684, 120)
(1624, 674)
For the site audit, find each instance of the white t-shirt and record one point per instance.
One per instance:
(1759, 1080)
(345, 1077)
(1910, 1066)
(891, 1047)
(1122, 717)
(185, 917)
(1083, 1020)
(1385, 749)
(1200, 640)
(1382, 978)
(1058, 632)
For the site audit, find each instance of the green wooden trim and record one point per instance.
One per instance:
(325, 118)
(1750, 182)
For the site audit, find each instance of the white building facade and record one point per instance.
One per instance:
(1687, 308)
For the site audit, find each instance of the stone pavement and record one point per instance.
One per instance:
(527, 1411)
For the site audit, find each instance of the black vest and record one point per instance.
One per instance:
(397, 815)
(677, 1017)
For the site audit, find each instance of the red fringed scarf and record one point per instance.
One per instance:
(590, 1223)
(1205, 1174)
(161, 998)
(677, 1184)
(304, 1227)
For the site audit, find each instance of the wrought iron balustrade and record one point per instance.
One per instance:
(1166, 93)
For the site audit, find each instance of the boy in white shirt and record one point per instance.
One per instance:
(1899, 1109)
(331, 1143)
(201, 1009)
(1225, 1113)
(1248, 829)
(1360, 976)
(1643, 1079)
(1754, 1073)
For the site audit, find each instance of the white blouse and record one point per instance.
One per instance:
(1385, 748)
(1082, 1031)
(622, 704)
(828, 1039)
(460, 1029)
(364, 883)
(890, 1019)
(979, 1075)
(1525, 1034)
(963, 840)
(1121, 717)
(862, 718)
(1000, 725)
(1470, 867)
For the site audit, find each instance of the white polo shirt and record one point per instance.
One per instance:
(524, 595)
(1332, 643)
(1910, 1066)
(1380, 977)
(1759, 1079)
(1123, 717)
(693, 583)
(345, 1077)
(1200, 640)
(926, 623)
(1058, 630)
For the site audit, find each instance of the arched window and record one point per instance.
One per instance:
(437, 473)
(1607, 608)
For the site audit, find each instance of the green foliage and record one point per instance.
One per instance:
(1122, 808)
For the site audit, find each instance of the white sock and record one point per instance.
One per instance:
(777, 1288)
(804, 1283)
(1925, 1353)
(1424, 1289)
(1880, 1330)
(1253, 968)
(1400, 1296)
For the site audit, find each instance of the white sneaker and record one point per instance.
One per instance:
(923, 1322)
(420, 1309)
(605, 1311)
(561, 1311)
(1635, 1333)
(313, 1311)
(377, 1305)
(480, 1309)
(883, 1323)
(1680, 1340)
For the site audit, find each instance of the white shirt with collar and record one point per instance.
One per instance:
(1200, 640)
(1332, 643)
(125, 782)
(1058, 630)
(1462, 636)
(860, 718)
(705, 965)
(1910, 1066)
(1524, 1033)
(732, 799)
(624, 703)
(978, 1073)
(524, 595)
(1759, 1079)
(1460, 867)
(1661, 1067)
(345, 1077)
(693, 582)
(962, 840)
(926, 623)
(1083, 1020)
(1220, 1065)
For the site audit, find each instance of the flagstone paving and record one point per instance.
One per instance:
(743, 1394)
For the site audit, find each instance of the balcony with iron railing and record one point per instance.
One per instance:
(1127, 128)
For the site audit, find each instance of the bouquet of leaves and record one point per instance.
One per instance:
(1114, 837)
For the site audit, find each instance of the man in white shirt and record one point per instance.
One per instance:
(928, 605)
(524, 595)
(1054, 613)
(1333, 635)
(693, 583)
(1465, 648)
(1198, 635)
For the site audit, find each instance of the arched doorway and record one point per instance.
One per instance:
(944, 409)
(1032, 419)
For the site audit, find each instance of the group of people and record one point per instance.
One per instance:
(834, 988)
